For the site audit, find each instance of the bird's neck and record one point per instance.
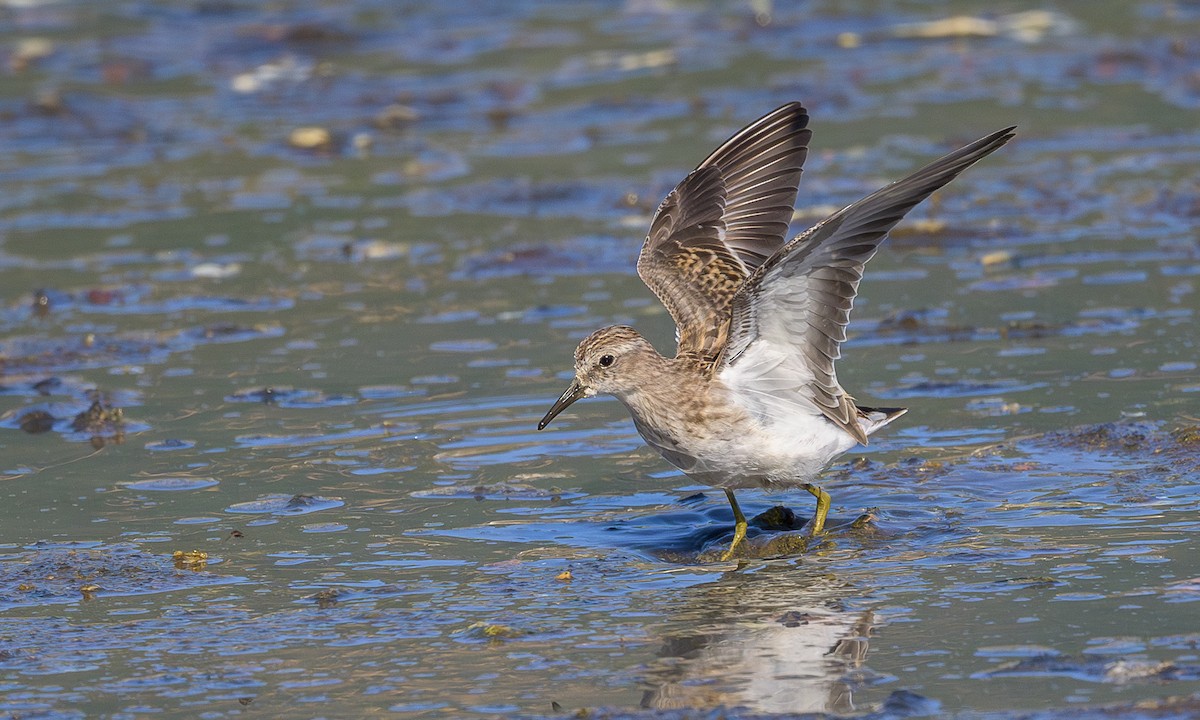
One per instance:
(668, 388)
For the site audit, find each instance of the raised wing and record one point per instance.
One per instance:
(789, 319)
(721, 223)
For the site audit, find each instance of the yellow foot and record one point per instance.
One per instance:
(823, 503)
(739, 526)
(739, 534)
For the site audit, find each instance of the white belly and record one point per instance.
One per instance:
(786, 452)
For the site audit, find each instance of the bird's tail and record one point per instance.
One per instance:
(872, 419)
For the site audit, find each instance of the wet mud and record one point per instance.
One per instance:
(285, 289)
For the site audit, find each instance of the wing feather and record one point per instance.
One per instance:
(722, 222)
(797, 304)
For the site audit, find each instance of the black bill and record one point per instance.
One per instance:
(573, 393)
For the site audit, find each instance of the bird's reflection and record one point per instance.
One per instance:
(779, 640)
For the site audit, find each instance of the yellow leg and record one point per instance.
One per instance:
(739, 525)
(823, 503)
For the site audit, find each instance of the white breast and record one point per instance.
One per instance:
(789, 440)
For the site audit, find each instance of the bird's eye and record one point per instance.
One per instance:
(606, 360)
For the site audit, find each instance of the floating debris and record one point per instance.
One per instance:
(36, 421)
(285, 505)
(1119, 671)
(290, 397)
(490, 631)
(311, 138)
(28, 52)
(170, 444)
(100, 419)
(41, 303)
(1029, 26)
(396, 117)
(215, 270)
(190, 559)
(289, 70)
(498, 491)
(171, 484)
(328, 598)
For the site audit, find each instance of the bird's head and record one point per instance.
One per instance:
(604, 364)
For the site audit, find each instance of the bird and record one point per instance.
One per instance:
(751, 398)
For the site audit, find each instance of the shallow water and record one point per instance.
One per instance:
(267, 412)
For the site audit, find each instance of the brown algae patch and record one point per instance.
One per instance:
(1175, 448)
(1188, 436)
(99, 423)
(57, 574)
(100, 420)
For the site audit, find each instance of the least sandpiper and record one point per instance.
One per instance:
(751, 398)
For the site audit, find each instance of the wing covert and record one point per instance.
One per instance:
(721, 223)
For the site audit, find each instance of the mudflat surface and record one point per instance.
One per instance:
(284, 292)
